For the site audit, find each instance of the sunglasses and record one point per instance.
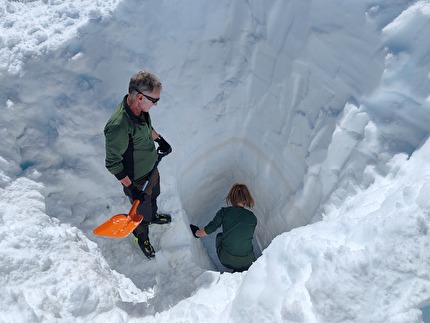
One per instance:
(153, 100)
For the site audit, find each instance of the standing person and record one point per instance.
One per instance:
(131, 153)
(234, 245)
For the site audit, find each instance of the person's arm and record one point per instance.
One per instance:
(126, 181)
(155, 134)
(212, 226)
(116, 143)
(163, 146)
(198, 233)
(201, 233)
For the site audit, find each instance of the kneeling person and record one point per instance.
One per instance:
(234, 245)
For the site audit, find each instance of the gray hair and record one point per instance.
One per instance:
(144, 82)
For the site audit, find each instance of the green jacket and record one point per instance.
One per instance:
(238, 226)
(130, 149)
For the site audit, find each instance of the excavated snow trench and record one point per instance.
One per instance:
(206, 179)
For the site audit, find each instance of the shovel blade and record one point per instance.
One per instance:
(120, 225)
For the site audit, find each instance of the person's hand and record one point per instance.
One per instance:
(194, 229)
(132, 192)
(163, 146)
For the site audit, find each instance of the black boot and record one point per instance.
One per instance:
(146, 247)
(161, 218)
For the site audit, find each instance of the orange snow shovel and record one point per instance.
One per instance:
(120, 225)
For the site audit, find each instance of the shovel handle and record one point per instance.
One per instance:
(160, 156)
(133, 210)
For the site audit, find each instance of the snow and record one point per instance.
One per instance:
(321, 108)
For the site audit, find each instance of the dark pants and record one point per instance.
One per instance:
(148, 204)
(218, 245)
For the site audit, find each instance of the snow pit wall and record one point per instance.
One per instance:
(287, 111)
(236, 161)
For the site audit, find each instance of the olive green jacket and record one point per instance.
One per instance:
(130, 149)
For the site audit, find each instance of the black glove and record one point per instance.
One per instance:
(163, 146)
(132, 192)
(194, 229)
